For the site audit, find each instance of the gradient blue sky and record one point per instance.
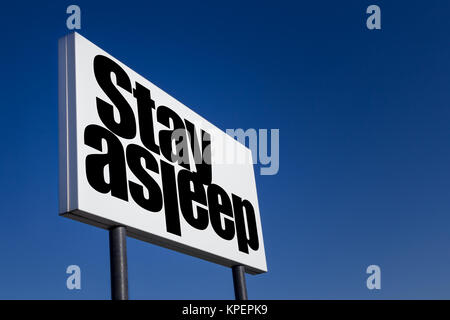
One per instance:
(364, 143)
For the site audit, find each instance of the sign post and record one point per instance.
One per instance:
(240, 288)
(118, 263)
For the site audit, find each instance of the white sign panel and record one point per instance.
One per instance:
(132, 155)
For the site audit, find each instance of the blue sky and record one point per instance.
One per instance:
(364, 133)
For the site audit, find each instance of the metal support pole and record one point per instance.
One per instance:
(118, 261)
(240, 288)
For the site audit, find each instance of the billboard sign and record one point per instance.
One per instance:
(132, 155)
